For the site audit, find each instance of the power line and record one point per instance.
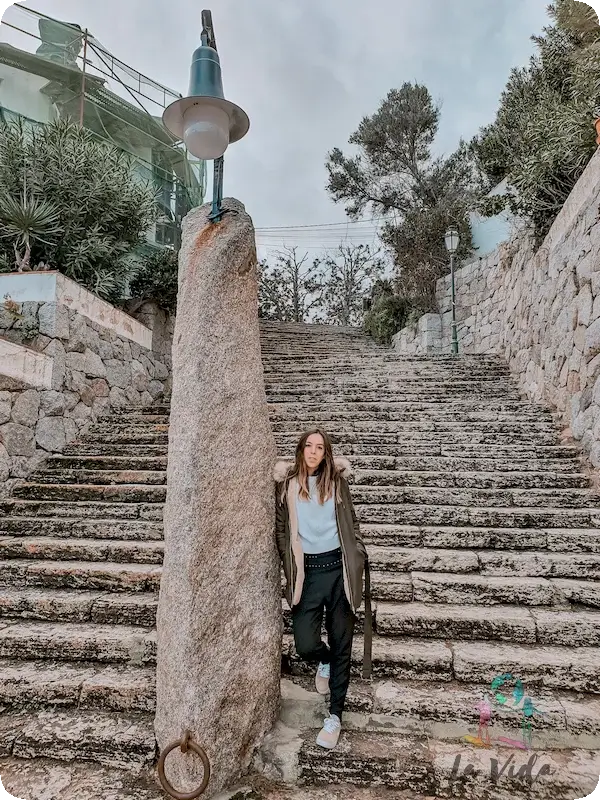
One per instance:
(321, 226)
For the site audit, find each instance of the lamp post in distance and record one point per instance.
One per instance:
(452, 242)
(204, 120)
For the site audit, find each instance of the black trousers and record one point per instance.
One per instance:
(323, 589)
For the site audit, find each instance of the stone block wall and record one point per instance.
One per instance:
(423, 338)
(540, 309)
(86, 368)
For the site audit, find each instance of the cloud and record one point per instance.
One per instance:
(306, 73)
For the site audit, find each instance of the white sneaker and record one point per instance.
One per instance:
(330, 732)
(322, 679)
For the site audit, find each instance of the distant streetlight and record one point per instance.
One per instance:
(452, 243)
(204, 120)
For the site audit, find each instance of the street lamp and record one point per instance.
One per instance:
(452, 242)
(204, 120)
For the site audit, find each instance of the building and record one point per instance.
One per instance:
(50, 70)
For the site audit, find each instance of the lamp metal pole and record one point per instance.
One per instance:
(208, 38)
(454, 332)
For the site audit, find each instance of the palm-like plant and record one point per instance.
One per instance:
(102, 208)
(26, 221)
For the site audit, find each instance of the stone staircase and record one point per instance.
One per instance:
(484, 541)
(483, 534)
(81, 549)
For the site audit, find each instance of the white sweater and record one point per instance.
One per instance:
(317, 525)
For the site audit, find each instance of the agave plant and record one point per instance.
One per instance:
(27, 221)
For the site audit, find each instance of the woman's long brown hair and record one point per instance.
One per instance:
(325, 474)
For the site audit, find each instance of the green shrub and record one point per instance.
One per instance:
(156, 279)
(71, 202)
(388, 315)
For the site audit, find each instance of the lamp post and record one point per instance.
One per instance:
(452, 243)
(204, 120)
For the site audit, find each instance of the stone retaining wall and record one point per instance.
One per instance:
(540, 309)
(72, 369)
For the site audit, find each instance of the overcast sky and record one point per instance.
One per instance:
(307, 71)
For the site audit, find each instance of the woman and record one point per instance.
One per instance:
(324, 559)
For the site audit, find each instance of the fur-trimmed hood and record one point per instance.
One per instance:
(283, 466)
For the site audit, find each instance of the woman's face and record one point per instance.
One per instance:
(314, 452)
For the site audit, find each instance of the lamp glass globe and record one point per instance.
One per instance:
(206, 131)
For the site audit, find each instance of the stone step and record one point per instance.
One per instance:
(377, 477)
(475, 440)
(59, 549)
(77, 528)
(43, 684)
(483, 590)
(569, 463)
(99, 477)
(505, 624)
(387, 393)
(139, 463)
(95, 465)
(570, 540)
(141, 425)
(369, 412)
(394, 761)
(137, 436)
(151, 512)
(364, 376)
(492, 563)
(463, 409)
(87, 575)
(444, 394)
(137, 411)
(434, 660)
(107, 493)
(68, 641)
(360, 376)
(383, 495)
(135, 418)
(79, 449)
(41, 778)
(447, 712)
(114, 739)
(472, 480)
(415, 430)
(460, 516)
(387, 446)
(76, 605)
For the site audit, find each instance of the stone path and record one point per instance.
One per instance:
(484, 539)
(483, 534)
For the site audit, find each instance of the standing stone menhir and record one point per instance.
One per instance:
(219, 616)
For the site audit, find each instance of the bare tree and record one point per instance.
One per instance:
(352, 271)
(290, 288)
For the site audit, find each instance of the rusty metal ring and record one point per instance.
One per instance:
(185, 743)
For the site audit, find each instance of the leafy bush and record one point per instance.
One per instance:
(156, 280)
(388, 314)
(543, 136)
(71, 202)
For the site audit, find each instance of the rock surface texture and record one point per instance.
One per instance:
(484, 540)
(93, 369)
(219, 613)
